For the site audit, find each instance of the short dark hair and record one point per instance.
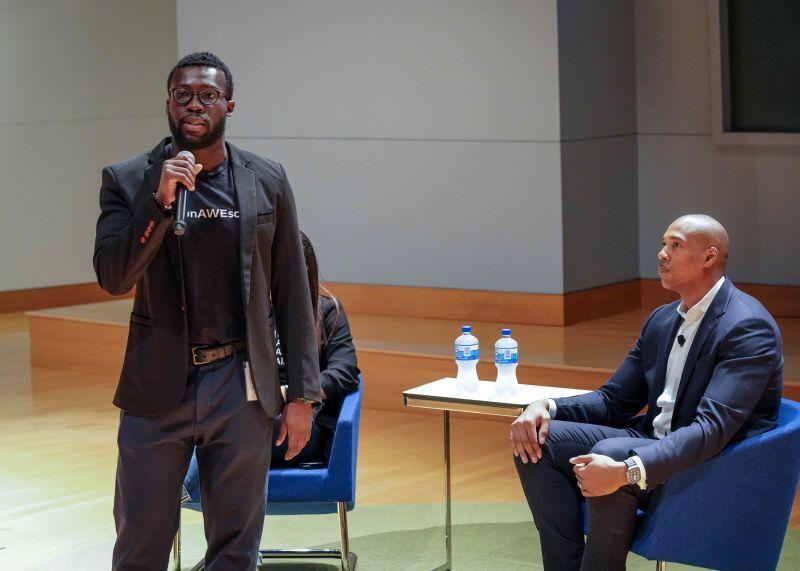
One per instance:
(204, 59)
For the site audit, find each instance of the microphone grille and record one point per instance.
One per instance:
(187, 155)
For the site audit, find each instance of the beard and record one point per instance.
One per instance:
(195, 143)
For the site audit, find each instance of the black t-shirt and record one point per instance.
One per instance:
(211, 265)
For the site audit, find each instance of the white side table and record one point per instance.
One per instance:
(442, 395)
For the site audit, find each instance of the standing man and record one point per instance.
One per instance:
(200, 366)
(709, 370)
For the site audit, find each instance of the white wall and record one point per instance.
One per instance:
(83, 85)
(751, 190)
(421, 138)
(597, 79)
(459, 143)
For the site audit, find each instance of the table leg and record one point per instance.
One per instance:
(448, 535)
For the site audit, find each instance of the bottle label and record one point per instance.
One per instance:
(505, 356)
(466, 352)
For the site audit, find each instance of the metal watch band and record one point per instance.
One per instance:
(633, 473)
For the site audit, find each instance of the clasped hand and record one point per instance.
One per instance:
(597, 475)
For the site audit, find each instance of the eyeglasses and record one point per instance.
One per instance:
(206, 96)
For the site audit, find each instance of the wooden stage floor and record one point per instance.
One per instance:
(58, 426)
(401, 352)
(58, 450)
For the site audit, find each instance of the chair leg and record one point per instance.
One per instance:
(349, 560)
(661, 566)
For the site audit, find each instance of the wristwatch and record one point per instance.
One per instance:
(304, 400)
(634, 474)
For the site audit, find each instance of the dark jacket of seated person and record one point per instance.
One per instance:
(339, 376)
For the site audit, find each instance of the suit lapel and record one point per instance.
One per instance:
(707, 325)
(244, 180)
(670, 329)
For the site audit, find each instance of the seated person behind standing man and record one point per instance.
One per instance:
(708, 368)
(338, 370)
(338, 375)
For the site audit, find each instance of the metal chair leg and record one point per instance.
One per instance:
(349, 560)
(661, 566)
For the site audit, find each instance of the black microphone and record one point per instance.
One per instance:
(179, 221)
(681, 339)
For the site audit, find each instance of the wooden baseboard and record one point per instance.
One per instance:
(458, 304)
(597, 302)
(654, 295)
(780, 301)
(56, 296)
(493, 306)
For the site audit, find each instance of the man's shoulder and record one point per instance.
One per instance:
(136, 164)
(662, 314)
(746, 303)
(744, 308)
(262, 165)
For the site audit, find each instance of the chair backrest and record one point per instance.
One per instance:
(344, 449)
(732, 511)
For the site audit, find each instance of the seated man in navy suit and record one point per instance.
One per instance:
(710, 372)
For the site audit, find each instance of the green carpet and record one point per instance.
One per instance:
(411, 537)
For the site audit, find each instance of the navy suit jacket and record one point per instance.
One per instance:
(730, 387)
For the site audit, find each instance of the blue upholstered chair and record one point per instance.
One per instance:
(296, 491)
(730, 512)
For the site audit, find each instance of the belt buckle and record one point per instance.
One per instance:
(196, 360)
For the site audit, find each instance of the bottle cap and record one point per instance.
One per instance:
(505, 332)
(466, 329)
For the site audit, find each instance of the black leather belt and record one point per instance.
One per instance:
(204, 355)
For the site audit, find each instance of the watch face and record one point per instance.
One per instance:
(634, 475)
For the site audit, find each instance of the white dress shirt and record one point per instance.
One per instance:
(692, 318)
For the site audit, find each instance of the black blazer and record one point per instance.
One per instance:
(135, 245)
(730, 387)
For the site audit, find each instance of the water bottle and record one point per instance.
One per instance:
(505, 359)
(467, 361)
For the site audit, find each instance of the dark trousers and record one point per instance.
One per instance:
(555, 500)
(233, 440)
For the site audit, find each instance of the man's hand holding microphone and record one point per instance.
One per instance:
(177, 176)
